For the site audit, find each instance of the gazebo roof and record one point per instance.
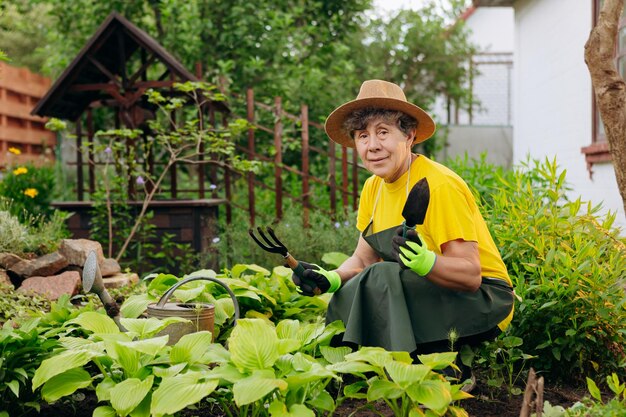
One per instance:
(98, 72)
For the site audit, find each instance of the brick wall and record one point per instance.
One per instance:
(20, 90)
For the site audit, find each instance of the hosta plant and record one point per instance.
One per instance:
(133, 372)
(409, 389)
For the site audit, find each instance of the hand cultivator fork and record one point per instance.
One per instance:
(274, 245)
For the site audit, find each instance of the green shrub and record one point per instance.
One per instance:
(33, 234)
(31, 190)
(306, 244)
(567, 263)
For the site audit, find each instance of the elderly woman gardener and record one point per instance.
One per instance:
(409, 291)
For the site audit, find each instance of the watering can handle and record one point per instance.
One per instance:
(169, 292)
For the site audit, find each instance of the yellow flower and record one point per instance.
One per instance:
(20, 171)
(31, 192)
(15, 151)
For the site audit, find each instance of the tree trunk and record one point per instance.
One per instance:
(610, 89)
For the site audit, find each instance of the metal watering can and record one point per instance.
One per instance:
(201, 316)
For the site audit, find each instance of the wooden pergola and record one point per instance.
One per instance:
(114, 70)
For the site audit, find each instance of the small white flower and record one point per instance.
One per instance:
(215, 240)
(337, 225)
(140, 180)
(346, 223)
(212, 186)
(108, 150)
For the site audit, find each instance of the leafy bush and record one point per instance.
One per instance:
(567, 264)
(31, 189)
(305, 244)
(33, 233)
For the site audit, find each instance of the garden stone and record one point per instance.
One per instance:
(52, 287)
(109, 267)
(7, 260)
(43, 266)
(76, 250)
(4, 278)
(120, 280)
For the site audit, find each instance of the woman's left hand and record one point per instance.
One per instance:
(412, 252)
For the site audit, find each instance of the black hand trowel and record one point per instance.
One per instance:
(414, 210)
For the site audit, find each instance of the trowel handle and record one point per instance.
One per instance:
(406, 228)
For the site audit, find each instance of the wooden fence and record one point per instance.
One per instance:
(341, 181)
(345, 182)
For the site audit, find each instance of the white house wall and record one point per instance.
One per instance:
(492, 28)
(552, 113)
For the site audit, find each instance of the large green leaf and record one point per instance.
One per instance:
(253, 344)
(127, 395)
(279, 409)
(335, 354)
(191, 348)
(226, 372)
(178, 392)
(202, 273)
(65, 384)
(168, 370)
(128, 358)
(145, 328)
(95, 322)
(60, 363)
(136, 305)
(151, 347)
(374, 355)
(406, 374)
(352, 367)
(323, 401)
(239, 269)
(288, 345)
(288, 329)
(434, 394)
(438, 360)
(189, 294)
(104, 411)
(316, 372)
(103, 390)
(256, 386)
(380, 388)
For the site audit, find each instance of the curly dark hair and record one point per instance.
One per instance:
(359, 119)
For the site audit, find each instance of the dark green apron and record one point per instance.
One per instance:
(395, 308)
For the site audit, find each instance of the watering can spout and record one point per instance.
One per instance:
(93, 282)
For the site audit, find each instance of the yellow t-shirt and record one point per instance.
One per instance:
(452, 214)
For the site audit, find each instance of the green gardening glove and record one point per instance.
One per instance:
(315, 280)
(413, 253)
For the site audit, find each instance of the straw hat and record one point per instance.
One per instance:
(383, 95)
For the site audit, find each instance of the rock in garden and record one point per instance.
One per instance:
(76, 250)
(4, 278)
(109, 267)
(7, 260)
(120, 280)
(52, 287)
(43, 266)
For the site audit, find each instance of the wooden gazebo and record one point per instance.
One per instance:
(114, 70)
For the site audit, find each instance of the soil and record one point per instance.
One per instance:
(486, 403)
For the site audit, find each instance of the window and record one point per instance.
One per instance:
(598, 151)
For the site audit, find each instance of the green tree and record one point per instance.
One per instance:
(22, 32)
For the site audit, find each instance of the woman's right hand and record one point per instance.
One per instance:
(316, 280)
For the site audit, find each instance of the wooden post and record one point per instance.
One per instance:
(250, 114)
(227, 184)
(212, 168)
(201, 167)
(304, 120)
(278, 157)
(92, 162)
(173, 173)
(355, 180)
(332, 178)
(79, 160)
(344, 177)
